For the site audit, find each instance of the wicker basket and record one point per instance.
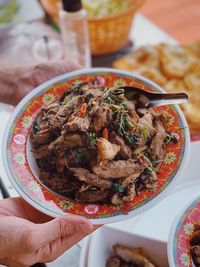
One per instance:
(108, 34)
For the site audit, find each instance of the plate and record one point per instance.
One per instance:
(22, 170)
(161, 217)
(181, 231)
(102, 241)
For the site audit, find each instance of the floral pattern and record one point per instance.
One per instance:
(34, 186)
(170, 157)
(19, 158)
(185, 259)
(66, 205)
(119, 82)
(188, 228)
(182, 234)
(48, 99)
(20, 168)
(27, 121)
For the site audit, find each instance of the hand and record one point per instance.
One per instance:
(17, 81)
(27, 236)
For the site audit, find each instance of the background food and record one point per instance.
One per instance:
(175, 68)
(129, 257)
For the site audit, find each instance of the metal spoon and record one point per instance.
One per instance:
(148, 99)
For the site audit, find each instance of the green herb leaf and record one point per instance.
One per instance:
(36, 128)
(118, 188)
(81, 153)
(144, 131)
(170, 138)
(92, 136)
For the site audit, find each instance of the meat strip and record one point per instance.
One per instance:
(156, 147)
(76, 123)
(92, 196)
(125, 150)
(101, 117)
(84, 175)
(145, 128)
(68, 141)
(121, 168)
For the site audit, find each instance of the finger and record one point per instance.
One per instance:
(61, 227)
(59, 235)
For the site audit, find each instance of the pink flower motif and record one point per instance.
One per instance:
(19, 139)
(100, 81)
(91, 209)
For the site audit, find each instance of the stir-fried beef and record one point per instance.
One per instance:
(156, 147)
(145, 128)
(94, 145)
(101, 116)
(92, 195)
(77, 123)
(121, 168)
(125, 150)
(84, 175)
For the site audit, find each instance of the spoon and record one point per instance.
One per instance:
(148, 99)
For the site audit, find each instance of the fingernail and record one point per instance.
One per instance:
(85, 227)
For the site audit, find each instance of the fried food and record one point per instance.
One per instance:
(85, 145)
(146, 55)
(127, 256)
(175, 68)
(152, 74)
(176, 61)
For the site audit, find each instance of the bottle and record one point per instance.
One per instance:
(75, 34)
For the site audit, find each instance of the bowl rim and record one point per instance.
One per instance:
(110, 219)
(170, 243)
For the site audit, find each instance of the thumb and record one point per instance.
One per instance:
(62, 227)
(55, 237)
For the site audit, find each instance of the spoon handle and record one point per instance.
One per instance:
(167, 99)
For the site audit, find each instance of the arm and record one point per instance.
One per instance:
(17, 81)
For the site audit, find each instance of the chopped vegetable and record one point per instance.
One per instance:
(105, 133)
(81, 153)
(92, 139)
(36, 128)
(117, 187)
(83, 111)
(171, 138)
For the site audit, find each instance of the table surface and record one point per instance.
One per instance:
(143, 32)
(180, 18)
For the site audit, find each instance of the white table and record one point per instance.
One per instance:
(144, 32)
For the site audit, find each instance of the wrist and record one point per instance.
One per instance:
(7, 83)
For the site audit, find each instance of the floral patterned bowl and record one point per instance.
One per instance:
(23, 172)
(180, 234)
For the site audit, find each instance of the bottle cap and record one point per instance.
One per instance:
(72, 5)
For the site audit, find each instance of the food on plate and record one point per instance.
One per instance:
(129, 257)
(174, 68)
(195, 245)
(96, 8)
(95, 145)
